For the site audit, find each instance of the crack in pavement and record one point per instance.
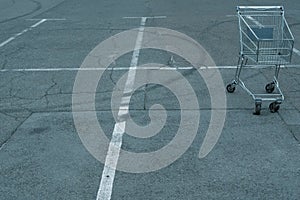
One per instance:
(5, 61)
(10, 115)
(12, 79)
(13, 132)
(47, 91)
(111, 74)
(288, 127)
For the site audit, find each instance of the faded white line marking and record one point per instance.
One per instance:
(231, 15)
(154, 17)
(38, 23)
(138, 68)
(108, 174)
(22, 32)
(7, 41)
(48, 19)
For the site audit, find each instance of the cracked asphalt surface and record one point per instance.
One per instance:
(41, 155)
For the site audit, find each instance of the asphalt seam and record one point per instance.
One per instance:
(288, 127)
(37, 8)
(14, 131)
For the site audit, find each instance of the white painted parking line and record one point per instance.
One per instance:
(38, 23)
(231, 15)
(48, 19)
(8, 40)
(138, 68)
(108, 174)
(153, 17)
(22, 32)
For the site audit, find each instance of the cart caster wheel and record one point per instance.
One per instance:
(270, 87)
(230, 88)
(257, 109)
(274, 107)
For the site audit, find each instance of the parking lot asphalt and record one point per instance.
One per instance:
(43, 45)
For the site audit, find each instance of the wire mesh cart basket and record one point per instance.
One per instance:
(265, 39)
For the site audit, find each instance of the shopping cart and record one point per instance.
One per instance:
(265, 39)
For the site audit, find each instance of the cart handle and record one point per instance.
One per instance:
(259, 8)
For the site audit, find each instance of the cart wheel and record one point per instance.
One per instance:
(274, 107)
(230, 88)
(270, 87)
(257, 109)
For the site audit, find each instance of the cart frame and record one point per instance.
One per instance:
(266, 40)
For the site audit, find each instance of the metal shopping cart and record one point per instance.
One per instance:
(265, 39)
